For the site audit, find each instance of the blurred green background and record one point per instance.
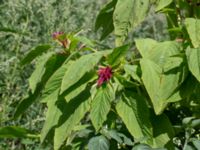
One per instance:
(26, 23)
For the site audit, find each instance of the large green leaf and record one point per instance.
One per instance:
(193, 57)
(52, 115)
(101, 104)
(157, 52)
(79, 68)
(34, 53)
(117, 54)
(72, 113)
(16, 132)
(104, 19)
(127, 15)
(98, 143)
(193, 29)
(162, 4)
(161, 85)
(134, 112)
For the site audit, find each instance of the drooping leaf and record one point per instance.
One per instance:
(193, 29)
(100, 106)
(16, 132)
(124, 22)
(137, 121)
(52, 115)
(162, 4)
(98, 143)
(79, 68)
(39, 71)
(117, 54)
(193, 57)
(35, 53)
(104, 19)
(161, 85)
(72, 113)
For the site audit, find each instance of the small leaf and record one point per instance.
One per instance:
(193, 29)
(15, 132)
(98, 143)
(101, 106)
(134, 71)
(117, 54)
(39, 50)
(193, 57)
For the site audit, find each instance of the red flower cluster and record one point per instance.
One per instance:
(105, 74)
(62, 40)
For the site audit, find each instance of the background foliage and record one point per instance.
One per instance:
(25, 24)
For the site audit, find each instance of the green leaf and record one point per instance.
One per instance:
(160, 85)
(162, 4)
(142, 147)
(193, 57)
(137, 121)
(98, 143)
(72, 113)
(79, 68)
(134, 71)
(26, 102)
(101, 104)
(15, 132)
(39, 71)
(104, 19)
(80, 86)
(157, 52)
(145, 46)
(54, 82)
(193, 29)
(52, 115)
(163, 132)
(39, 50)
(117, 54)
(135, 12)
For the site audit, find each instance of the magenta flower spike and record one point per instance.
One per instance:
(105, 74)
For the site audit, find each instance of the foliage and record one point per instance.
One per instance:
(148, 100)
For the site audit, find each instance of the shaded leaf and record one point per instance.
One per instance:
(72, 113)
(104, 19)
(15, 132)
(39, 50)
